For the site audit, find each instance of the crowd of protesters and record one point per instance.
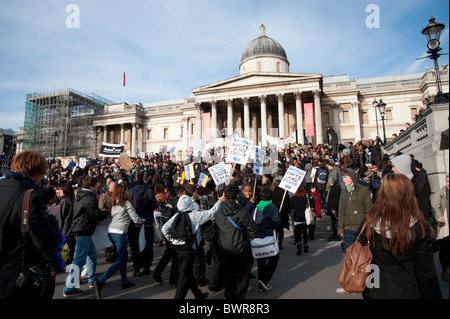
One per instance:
(334, 173)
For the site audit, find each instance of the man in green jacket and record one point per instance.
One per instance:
(354, 202)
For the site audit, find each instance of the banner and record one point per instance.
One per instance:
(290, 138)
(111, 150)
(239, 151)
(206, 125)
(309, 119)
(292, 179)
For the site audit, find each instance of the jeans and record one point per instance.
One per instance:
(119, 242)
(349, 238)
(85, 253)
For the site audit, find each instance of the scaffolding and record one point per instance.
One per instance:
(60, 123)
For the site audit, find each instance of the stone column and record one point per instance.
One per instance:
(95, 142)
(299, 117)
(262, 99)
(356, 121)
(336, 123)
(254, 127)
(105, 134)
(133, 139)
(198, 122)
(246, 117)
(213, 118)
(318, 117)
(122, 133)
(229, 116)
(281, 130)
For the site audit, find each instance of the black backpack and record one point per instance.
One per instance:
(180, 232)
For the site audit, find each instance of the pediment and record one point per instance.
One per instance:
(257, 79)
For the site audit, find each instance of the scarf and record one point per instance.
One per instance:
(262, 204)
(317, 207)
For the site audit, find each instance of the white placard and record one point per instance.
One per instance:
(220, 173)
(292, 179)
(239, 151)
(258, 163)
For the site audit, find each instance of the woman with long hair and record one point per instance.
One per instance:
(298, 206)
(401, 244)
(66, 196)
(122, 211)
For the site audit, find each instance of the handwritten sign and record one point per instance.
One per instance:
(189, 171)
(219, 173)
(258, 161)
(292, 179)
(125, 162)
(240, 150)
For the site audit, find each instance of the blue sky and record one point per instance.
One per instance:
(170, 47)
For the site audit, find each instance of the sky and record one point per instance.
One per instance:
(168, 48)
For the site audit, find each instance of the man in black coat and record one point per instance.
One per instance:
(235, 230)
(333, 206)
(422, 188)
(27, 169)
(333, 140)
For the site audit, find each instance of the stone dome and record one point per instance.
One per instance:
(263, 46)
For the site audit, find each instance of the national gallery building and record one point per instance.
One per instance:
(264, 101)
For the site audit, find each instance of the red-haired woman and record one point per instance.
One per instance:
(401, 244)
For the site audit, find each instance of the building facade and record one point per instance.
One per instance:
(265, 99)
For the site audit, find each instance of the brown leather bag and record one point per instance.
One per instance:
(354, 271)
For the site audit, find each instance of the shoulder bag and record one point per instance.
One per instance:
(266, 246)
(354, 271)
(309, 213)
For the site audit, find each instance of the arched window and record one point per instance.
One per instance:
(258, 66)
(278, 67)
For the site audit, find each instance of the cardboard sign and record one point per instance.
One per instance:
(125, 162)
(292, 179)
(203, 179)
(219, 173)
(258, 161)
(240, 150)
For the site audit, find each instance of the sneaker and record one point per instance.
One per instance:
(72, 293)
(262, 286)
(98, 289)
(269, 287)
(341, 291)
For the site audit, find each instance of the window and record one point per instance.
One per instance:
(345, 116)
(149, 134)
(278, 67)
(365, 118)
(258, 66)
(181, 134)
(166, 132)
(192, 128)
(326, 118)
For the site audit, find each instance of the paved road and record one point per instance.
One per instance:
(310, 276)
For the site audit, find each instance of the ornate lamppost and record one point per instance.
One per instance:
(382, 108)
(433, 32)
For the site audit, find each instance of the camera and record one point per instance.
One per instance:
(32, 277)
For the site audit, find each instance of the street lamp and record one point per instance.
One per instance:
(382, 108)
(433, 32)
(55, 135)
(374, 103)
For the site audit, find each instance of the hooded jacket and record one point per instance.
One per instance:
(353, 205)
(144, 201)
(86, 213)
(231, 240)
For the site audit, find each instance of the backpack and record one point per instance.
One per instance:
(322, 177)
(180, 232)
(167, 211)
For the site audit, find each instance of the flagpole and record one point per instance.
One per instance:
(123, 88)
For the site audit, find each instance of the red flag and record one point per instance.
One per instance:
(123, 78)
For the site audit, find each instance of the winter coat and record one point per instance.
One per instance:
(144, 201)
(231, 240)
(409, 276)
(43, 232)
(298, 205)
(333, 198)
(439, 206)
(86, 213)
(286, 209)
(65, 217)
(353, 205)
(332, 137)
(422, 189)
(267, 220)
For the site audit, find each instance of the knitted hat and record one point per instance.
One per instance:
(403, 164)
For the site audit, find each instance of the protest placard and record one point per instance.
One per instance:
(292, 179)
(203, 179)
(219, 173)
(258, 161)
(125, 162)
(189, 171)
(239, 151)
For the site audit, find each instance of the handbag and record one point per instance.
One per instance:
(354, 271)
(309, 214)
(266, 246)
